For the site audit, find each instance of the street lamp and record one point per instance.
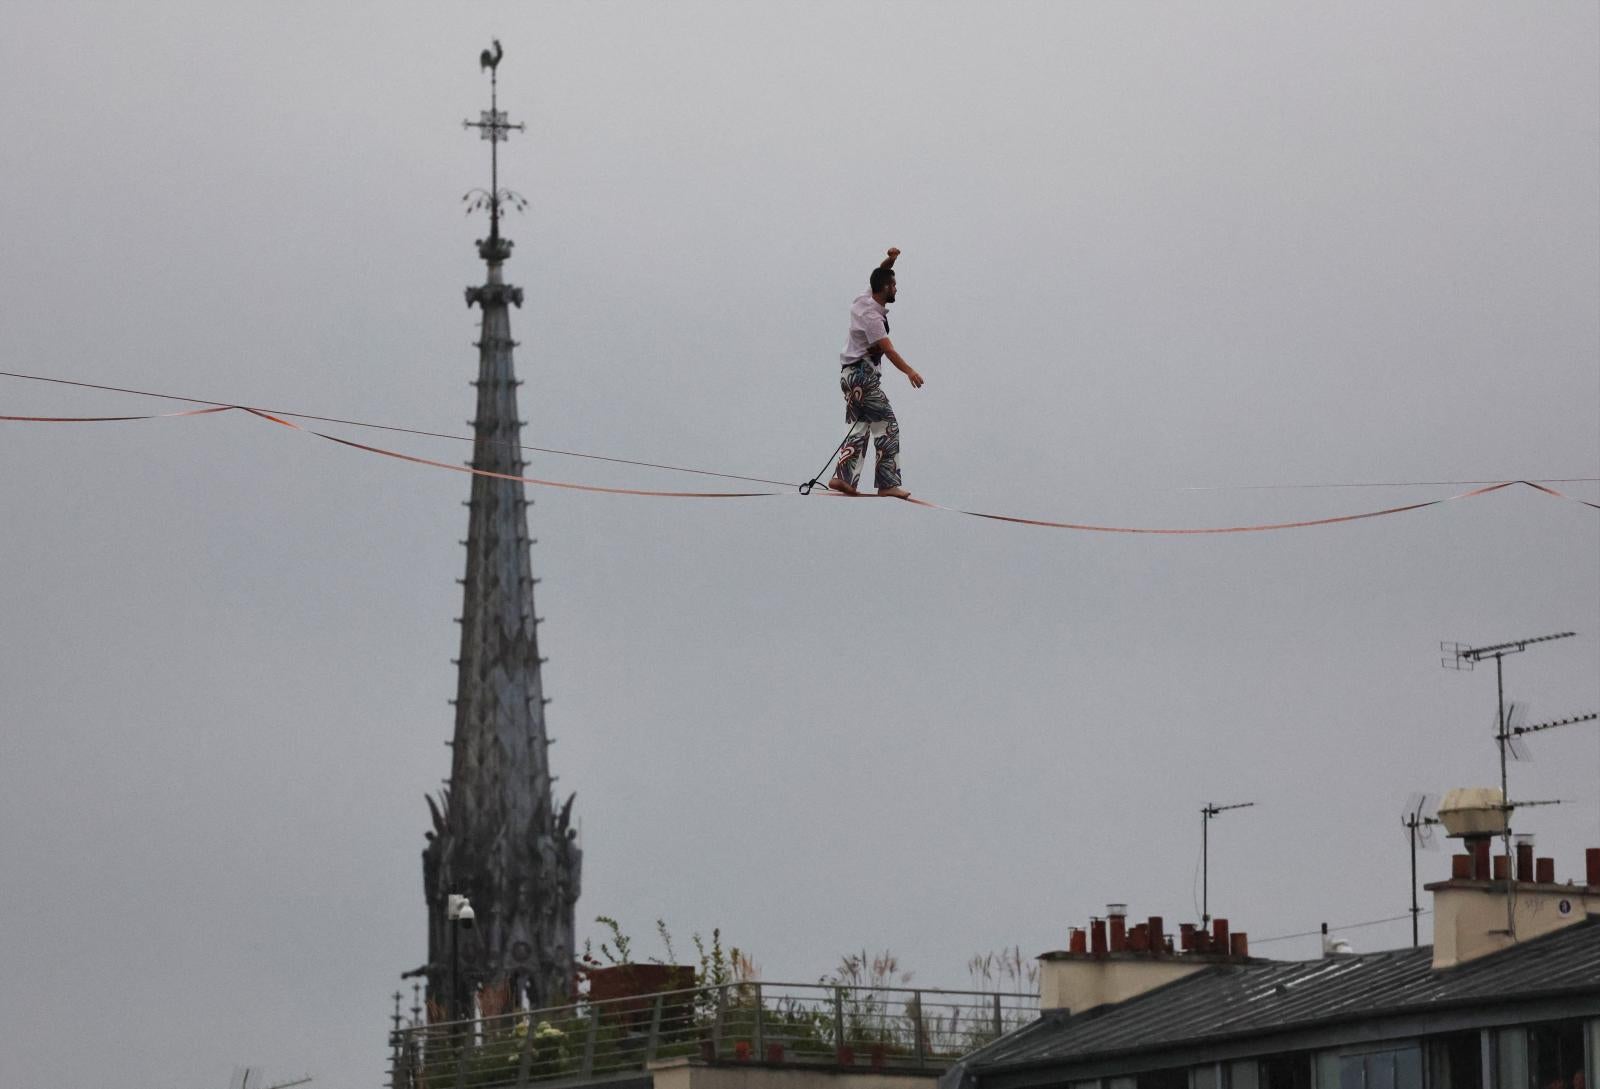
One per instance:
(458, 910)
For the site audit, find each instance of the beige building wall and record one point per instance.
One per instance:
(1078, 983)
(1469, 917)
(694, 1074)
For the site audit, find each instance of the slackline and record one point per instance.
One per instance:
(285, 419)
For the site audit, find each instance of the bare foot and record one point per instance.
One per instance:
(838, 485)
(894, 493)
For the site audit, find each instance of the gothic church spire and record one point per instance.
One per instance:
(498, 836)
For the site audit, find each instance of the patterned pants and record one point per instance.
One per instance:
(867, 411)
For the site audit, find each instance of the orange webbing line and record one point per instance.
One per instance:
(1218, 529)
(503, 476)
(918, 502)
(364, 423)
(1014, 519)
(1559, 495)
(116, 419)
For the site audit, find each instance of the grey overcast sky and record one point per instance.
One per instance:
(1147, 248)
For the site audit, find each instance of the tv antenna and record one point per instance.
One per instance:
(250, 1077)
(1508, 732)
(1418, 820)
(1211, 810)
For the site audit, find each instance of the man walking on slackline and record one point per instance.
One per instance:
(866, 406)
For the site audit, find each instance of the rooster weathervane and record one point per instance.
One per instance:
(493, 126)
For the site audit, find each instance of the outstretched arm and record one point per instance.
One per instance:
(888, 262)
(887, 348)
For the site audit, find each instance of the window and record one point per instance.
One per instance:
(1555, 1055)
(1177, 1078)
(1456, 1061)
(1511, 1058)
(1400, 1068)
(1244, 1075)
(1285, 1072)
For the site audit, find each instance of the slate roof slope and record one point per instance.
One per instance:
(1246, 999)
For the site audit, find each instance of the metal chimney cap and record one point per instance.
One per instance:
(1114, 911)
(1473, 811)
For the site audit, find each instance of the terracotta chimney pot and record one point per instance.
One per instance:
(1525, 861)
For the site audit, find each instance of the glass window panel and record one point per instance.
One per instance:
(1380, 1070)
(1327, 1070)
(1352, 1072)
(1555, 1054)
(1244, 1075)
(1455, 1061)
(1203, 1077)
(1286, 1072)
(1176, 1078)
(1594, 1053)
(1408, 1068)
(1511, 1059)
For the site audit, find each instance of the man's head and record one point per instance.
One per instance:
(882, 283)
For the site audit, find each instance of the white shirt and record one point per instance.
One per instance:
(869, 323)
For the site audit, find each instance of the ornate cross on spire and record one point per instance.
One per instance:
(493, 127)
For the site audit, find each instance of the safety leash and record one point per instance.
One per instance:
(805, 489)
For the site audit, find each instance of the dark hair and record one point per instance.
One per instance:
(880, 277)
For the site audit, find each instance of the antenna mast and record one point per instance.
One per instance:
(1506, 734)
(1211, 810)
(1418, 822)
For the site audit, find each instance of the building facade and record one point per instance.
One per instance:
(1479, 1010)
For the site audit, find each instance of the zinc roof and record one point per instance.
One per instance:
(1232, 1000)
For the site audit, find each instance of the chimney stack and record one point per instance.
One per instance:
(1118, 916)
(1480, 857)
(1524, 845)
(1112, 961)
(1470, 909)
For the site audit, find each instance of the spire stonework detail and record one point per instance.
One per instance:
(498, 836)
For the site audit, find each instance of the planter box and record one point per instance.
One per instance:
(628, 992)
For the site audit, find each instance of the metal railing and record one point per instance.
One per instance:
(800, 1024)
